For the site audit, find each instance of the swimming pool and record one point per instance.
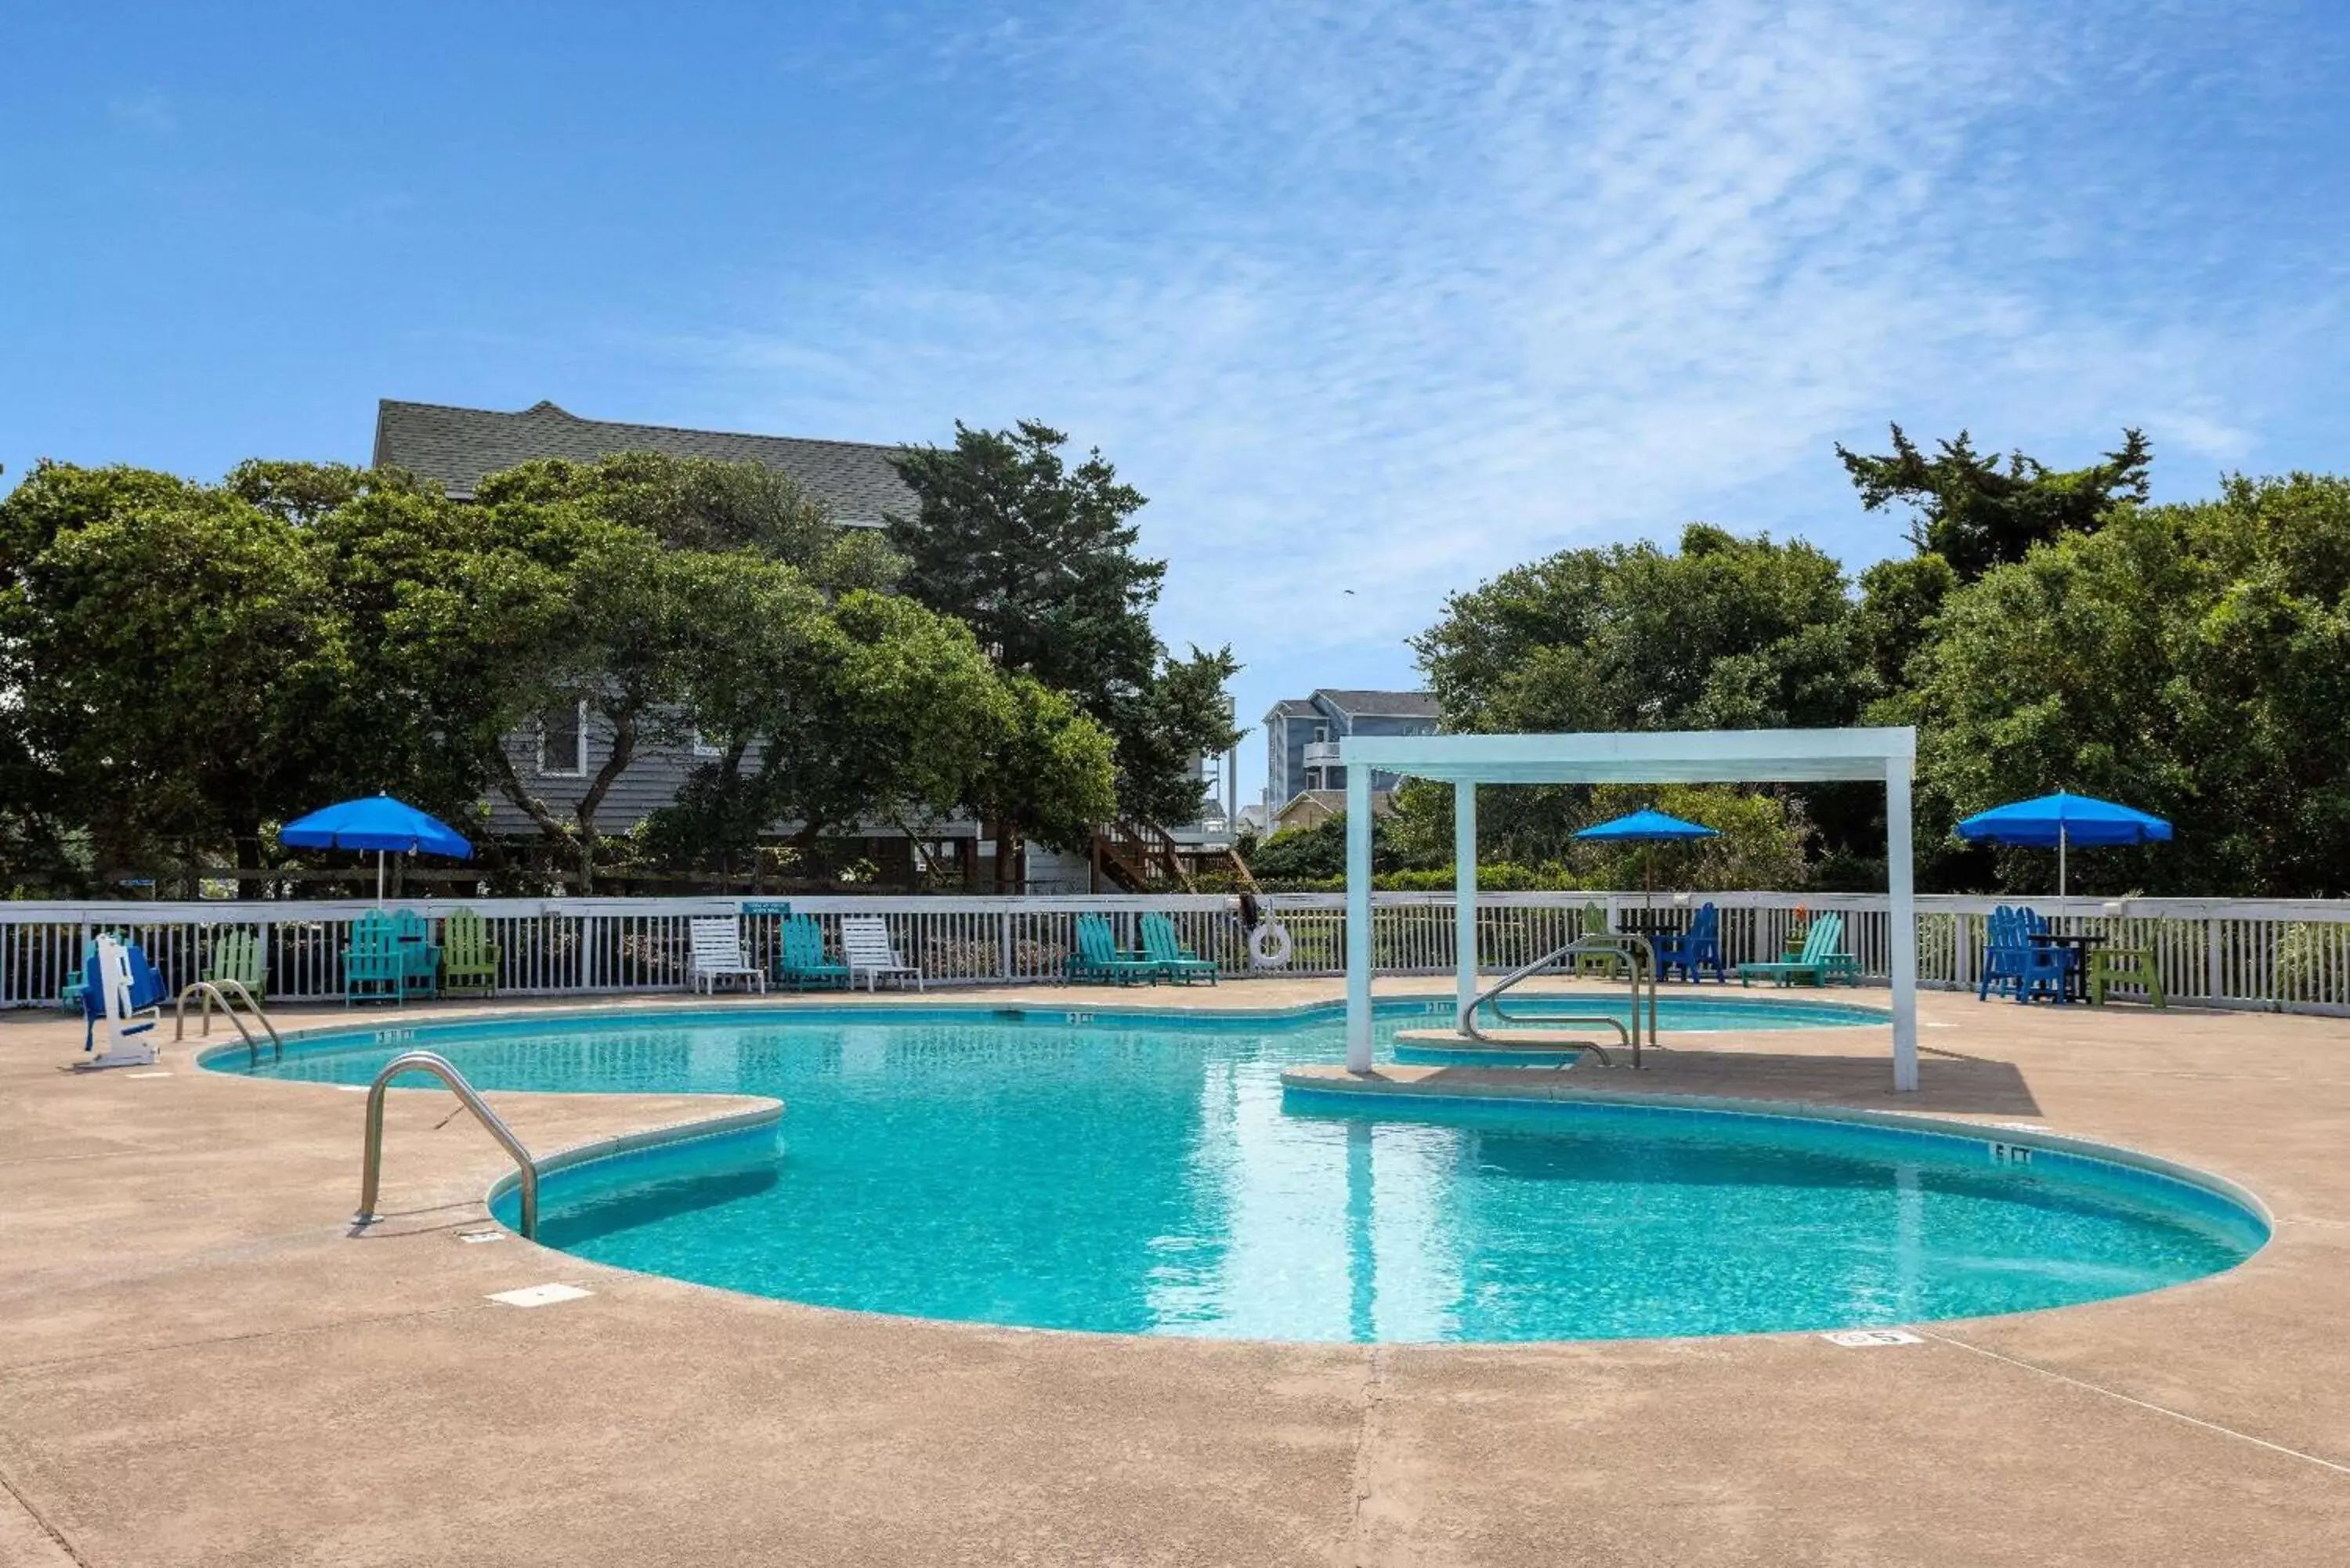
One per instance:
(1146, 1173)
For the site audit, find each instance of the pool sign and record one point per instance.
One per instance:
(764, 907)
(1870, 1338)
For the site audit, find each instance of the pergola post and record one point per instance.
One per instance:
(1359, 918)
(1903, 937)
(1464, 892)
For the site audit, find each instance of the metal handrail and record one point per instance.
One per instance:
(1634, 950)
(219, 990)
(444, 1069)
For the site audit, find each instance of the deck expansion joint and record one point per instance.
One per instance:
(2085, 1385)
(57, 1537)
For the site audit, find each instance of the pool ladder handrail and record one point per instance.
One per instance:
(1634, 952)
(441, 1067)
(227, 993)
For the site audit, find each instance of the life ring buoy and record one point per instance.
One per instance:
(1269, 945)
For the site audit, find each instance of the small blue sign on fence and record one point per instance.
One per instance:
(764, 907)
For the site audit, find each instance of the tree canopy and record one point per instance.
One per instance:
(1038, 557)
(194, 663)
(2053, 631)
(1977, 513)
(2191, 659)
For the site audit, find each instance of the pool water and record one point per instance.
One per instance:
(1148, 1175)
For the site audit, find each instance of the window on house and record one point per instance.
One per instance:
(563, 741)
(703, 746)
(1321, 732)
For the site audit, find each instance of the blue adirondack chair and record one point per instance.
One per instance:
(2013, 964)
(799, 956)
(374, 967)
(2035, 924)
(1697, 948)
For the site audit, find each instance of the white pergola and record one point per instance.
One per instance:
(1672, 756)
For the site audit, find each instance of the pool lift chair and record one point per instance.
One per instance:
(124, 992)
(1626, 953)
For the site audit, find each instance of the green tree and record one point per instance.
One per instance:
(1727, 633)
(1038, 558)
(1976, 514)
(2191, 659)
(708, 505)
(170, 647)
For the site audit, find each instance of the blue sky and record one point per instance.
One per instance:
(1381, 296)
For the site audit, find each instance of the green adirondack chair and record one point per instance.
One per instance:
(374, 967)
(1594, 924)
(468, 960)
(420, 971)
(1098, 956)
(1162, 947)
(237, 955)
(799, 956)
(1817, 961)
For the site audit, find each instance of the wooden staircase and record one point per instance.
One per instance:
(1140, 856)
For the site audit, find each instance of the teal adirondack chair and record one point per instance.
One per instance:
(420, 968)
(799, 956)
(71, 993)
(374, 967)
(1817, 961)
(1162, 947)
(468, 960)
(1098, 956)
(237, 955)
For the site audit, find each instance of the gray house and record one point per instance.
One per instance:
(455, 447)
(1302, 736)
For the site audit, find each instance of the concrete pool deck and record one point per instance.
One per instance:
(200, 1364)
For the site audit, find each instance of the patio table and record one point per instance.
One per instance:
(2076, 973)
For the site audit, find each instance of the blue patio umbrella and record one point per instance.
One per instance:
(379, 822)
(1649, 826)
(2059, 821)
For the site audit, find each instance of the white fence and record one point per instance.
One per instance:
(2293, 956)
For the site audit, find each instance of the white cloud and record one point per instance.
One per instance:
(1387, 296)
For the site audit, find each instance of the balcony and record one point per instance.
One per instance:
(1321, 753)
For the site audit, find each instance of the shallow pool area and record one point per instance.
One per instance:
(1146, 1172)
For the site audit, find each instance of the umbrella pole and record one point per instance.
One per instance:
(2060, 860)
(378, 876)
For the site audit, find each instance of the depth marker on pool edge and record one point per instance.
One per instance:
(1870, 1338)
(539, 1295)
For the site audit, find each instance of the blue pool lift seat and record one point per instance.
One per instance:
(1697, 948)
(142, 1003)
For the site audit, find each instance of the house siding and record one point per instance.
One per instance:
(1292, 725)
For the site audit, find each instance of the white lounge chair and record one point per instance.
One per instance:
(718, 952)
(865, 944)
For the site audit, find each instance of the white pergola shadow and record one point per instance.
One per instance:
(1672, 756)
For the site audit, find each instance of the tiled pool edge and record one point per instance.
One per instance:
(417, 1029)
(759, 1122)
(1340, 1090)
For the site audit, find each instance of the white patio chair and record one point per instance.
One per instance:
(718, 952)
(865, 944)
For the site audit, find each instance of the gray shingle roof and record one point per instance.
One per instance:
(1292, 707)
(454, 447)
(1393, 704)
